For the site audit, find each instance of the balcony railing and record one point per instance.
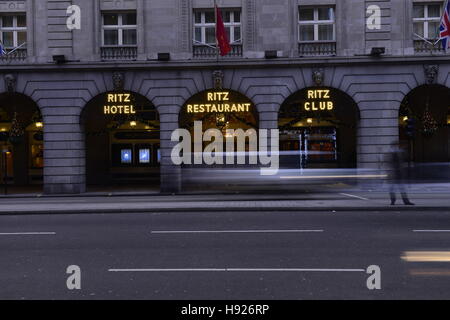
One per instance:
(422, 46)
(119, 53)
(16, 55)
(207, 52)
(311, 49)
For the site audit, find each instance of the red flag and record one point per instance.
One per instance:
(221, 34)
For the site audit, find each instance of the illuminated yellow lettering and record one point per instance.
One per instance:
(308, 106)
(225, 97)
(327, 94)
(330, 105)
(210, 96)
(310, 94)
(127, 97)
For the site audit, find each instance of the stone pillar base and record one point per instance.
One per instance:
(64, 188)
(170, 179)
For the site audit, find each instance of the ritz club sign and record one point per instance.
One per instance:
(318, 100)
(218, 102)
(119, 103)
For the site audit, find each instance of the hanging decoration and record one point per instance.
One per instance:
(16, 133)
(429, 125)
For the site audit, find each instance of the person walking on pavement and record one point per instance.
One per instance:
(396, 175)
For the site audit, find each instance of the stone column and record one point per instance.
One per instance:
(64, 150)
(377, 129)
(170, 173)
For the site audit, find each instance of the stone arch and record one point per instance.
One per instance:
(318, 129)
(424, 123)
(122, 139)
(21, 139)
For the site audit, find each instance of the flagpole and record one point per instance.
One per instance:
(217, 42)
(442, 19)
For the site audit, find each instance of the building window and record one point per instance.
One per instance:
(119, 29)
(13, 32)
(316, 31)
(316, 24)
(205, 32)
(119, 36)
(426, 19)
(426, 22)
(205, 26)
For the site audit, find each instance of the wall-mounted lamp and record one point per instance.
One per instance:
(271, 54)
(163, 56)
(377, 51)
(59, 59)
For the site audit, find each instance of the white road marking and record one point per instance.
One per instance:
(367, 176)
(28, 234)
(353, 196)
(238, 270)
(234, 231)
(431, 230)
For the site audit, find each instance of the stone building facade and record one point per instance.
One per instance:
(275, 54)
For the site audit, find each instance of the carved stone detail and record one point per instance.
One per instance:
(318, 76)
(218, 79)
(10, 83)
(118, 81)
(431, 73)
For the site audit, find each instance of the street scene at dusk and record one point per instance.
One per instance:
(212, 151)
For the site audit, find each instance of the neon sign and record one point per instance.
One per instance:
(218, 102)
(119, 103)
(318, 100)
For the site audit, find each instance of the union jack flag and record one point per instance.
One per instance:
(444, 29)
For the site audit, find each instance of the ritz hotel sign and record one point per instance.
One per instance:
(119, 103)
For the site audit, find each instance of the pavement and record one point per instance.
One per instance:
(338, 198)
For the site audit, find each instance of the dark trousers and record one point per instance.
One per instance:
(400, 188)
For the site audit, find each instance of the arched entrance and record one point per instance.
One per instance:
(424, 124)
(21, 141)
(318, 129)
(224, 110)
(122, 141)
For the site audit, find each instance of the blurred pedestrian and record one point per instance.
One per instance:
(396, 177)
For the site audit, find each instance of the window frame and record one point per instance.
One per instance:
(14, 29)
(203, 25)
(120, 27)
(426, 20)
(316, 23)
